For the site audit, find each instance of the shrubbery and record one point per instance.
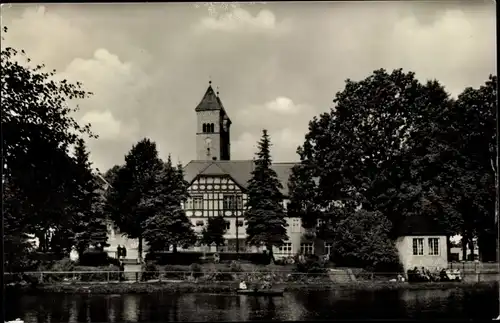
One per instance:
(187, 258)
(196, 270)
(311, 265)
(96, 259)
(150, 271)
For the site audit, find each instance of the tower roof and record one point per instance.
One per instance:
(210, 101)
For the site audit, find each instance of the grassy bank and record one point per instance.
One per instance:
(229, 287)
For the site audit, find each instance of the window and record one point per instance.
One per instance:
(228, 225)
(328, 248)
(306, 248)
(286, 248)
(240, 223)
(199, 223)
(433, 246)
(197, 203)
(208, 128)
(232, 202)
(295, 225)
(418, 246)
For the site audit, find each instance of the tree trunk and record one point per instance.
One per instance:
(464, 247)
(271, 254)
(174, 248)
(140, 248)
(471, 247)
(448, 247)
(80, 253)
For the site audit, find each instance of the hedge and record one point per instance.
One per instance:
(96, 259)
(188, 258)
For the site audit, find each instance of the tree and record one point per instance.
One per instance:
(265, 217)
(362, 240)
(474, 132)
(89, 222)
(131, 201)
(214, 232)
(169, 226)
(37, 130)
(359, 151)
(110, 174)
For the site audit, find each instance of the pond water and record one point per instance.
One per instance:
(330, 305)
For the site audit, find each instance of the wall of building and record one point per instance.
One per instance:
(115, 238)
(208, 198)
(212, 116)
(409, 260)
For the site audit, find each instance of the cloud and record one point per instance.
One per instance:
(240, 20)
(284, 143)
(286, 122)
(277, 65)
(107, 127)
(116, 87)
(283, 105)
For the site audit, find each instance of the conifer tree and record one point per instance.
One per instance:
(88, 220)
(265, 216)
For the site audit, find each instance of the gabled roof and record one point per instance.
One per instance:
(238, 170)
(210, 101)
(420, 225)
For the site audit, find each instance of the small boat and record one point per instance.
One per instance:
(16, 321)
(261, 292)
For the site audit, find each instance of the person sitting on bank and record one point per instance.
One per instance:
(243, 285)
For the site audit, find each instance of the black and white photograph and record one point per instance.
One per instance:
(249, 161)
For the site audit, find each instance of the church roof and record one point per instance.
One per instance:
(238, 170)
(210, 101)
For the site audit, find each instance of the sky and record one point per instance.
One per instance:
(277, 65)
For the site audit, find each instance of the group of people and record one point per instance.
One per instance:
(121, 252)
(266, 284)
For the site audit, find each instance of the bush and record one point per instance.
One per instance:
(312, 265)
(150, 271)
(45, 257)
(253, 257)
(98, 273)
(196, 270)
(63, 265)
(178, 258)
(95, 259)
(174, 272)
(187, 258)
(235, 267)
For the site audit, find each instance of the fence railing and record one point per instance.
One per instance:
(474, 267)
(217, 276)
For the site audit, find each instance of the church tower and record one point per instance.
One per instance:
(213, 128)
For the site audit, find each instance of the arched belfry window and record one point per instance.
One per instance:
(204, 127)
(212, 128)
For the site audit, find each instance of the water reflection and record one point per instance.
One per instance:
(331, 305)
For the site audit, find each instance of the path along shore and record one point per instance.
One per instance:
(229, 287)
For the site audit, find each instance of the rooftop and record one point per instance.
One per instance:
(210, 101)
(238, 170)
